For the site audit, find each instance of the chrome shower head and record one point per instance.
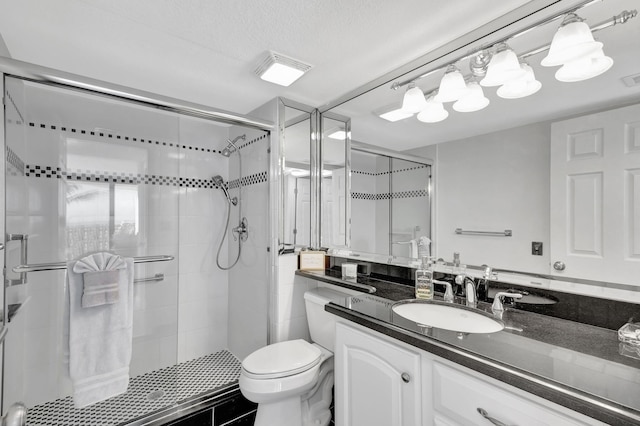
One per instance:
(219, 182)
(231, 145)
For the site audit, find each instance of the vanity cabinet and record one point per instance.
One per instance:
(376, 382)
(370, 390)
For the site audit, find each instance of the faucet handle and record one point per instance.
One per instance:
(448, 294)
(497, 300)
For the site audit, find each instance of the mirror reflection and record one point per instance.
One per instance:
(554, 156)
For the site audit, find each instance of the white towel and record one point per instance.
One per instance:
(100, 340)
(100, 278)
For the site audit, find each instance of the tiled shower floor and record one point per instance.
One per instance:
(147, 394)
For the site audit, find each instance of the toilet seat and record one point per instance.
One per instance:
(281, 360)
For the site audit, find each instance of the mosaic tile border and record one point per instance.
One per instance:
(146, 394)
(362, 172)
(389, 196)
(51, 172)
(116, 136)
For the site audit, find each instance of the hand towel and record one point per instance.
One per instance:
(100, 340)
(100, 277)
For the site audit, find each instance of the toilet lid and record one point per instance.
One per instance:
(282, 359)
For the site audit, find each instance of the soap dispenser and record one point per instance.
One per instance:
(424, 280)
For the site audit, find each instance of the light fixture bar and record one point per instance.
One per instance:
(621, 18)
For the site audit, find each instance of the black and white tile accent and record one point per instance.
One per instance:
(51, 172)
(147, 393)
(133, 139)
(389, 196)
(362, 172)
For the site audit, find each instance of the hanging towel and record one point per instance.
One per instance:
(100, 336)
(100, 276)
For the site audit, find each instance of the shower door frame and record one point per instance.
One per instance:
(35, 73)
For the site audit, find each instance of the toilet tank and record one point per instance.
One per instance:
(322, 324)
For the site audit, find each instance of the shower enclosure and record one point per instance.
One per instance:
(86, 173)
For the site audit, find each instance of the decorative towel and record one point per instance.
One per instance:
(100, 276)
(100, 337)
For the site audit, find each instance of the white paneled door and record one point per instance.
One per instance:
(595, 196)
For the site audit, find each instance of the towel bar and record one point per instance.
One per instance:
(505, 233)
(38, 267)
(156, 277)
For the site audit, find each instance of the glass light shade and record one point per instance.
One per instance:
(584, 68)
(474, 100)
(572, 41)
(413, 100)
(503, 67)
(526, 85)
(433, 112)
(452, 86)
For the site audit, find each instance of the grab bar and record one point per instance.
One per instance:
(505, 233)
(38, 267)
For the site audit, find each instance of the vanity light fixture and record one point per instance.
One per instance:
(573, 48)
(413, 101)
(280, 69)
(584, 68)
(522, 87)
(572, 41)
(434, 112)
(452, 86)
(503, 67)
(473, 100)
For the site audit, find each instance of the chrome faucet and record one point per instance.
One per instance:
(448, 294)
(497, 306)
(469, 289)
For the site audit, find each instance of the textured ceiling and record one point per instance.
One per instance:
(206, 51)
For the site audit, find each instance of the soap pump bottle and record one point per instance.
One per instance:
(424, 280)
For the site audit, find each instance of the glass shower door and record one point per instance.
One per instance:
(85, 174)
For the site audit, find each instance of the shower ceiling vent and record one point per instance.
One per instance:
(279, 69)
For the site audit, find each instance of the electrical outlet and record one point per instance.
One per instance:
(536, 248)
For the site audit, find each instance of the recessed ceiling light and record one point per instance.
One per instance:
(395, 115)
(280, 69)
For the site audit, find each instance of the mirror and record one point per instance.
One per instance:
(495, 170)
(315, 185)
(296, 224)
(390, 197)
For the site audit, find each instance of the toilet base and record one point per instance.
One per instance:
(285, 412)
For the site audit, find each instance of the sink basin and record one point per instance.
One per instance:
(447, 316)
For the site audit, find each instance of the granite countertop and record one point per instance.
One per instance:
(576, 365)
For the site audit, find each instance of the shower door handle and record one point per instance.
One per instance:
(24, 257)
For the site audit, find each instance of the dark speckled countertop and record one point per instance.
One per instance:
(573, 364)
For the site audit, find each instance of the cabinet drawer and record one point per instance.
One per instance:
(457, 397)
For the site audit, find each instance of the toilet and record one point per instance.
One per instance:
(292, 381)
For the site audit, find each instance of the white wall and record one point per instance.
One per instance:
(249, 280)
(493, 182)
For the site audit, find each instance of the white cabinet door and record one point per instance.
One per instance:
(377, 383)
(595, 196)
(458, 397)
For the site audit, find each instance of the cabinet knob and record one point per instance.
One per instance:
(405, 377)
(492, 420)
(559, 266)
